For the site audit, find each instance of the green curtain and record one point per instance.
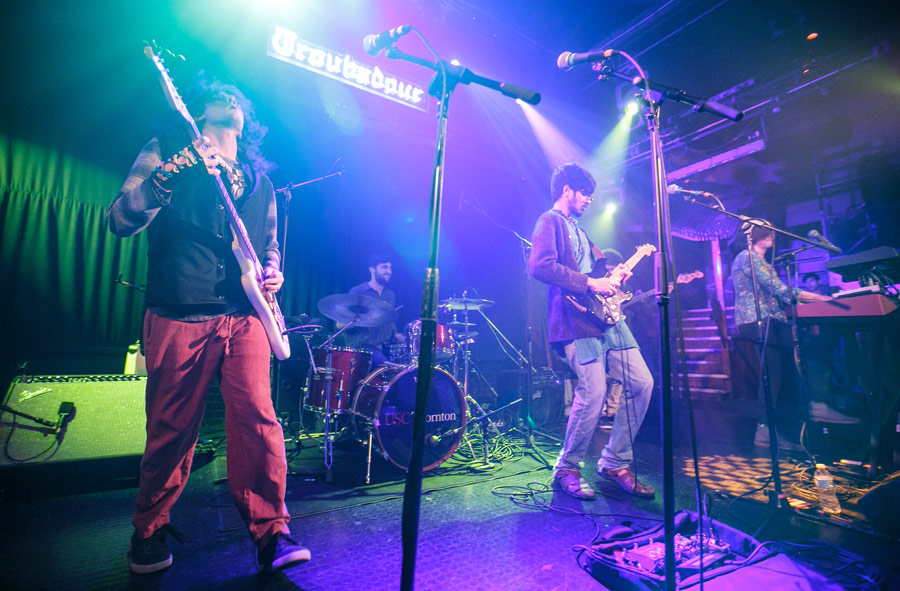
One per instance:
(58, 259)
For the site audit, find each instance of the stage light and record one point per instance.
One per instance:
(454, 62)
(610, 208)
(558, 148)
(631, 108)
(811, 36)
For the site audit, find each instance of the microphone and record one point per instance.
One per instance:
(823, 242)
(673, 189)
(567, 60)
(375, 44)
(789, 256)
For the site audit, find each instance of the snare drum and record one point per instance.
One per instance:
(443, 342)
(349, 366)
(384, 403)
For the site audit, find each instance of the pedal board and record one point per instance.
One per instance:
(651, 557)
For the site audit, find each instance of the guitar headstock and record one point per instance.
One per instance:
(646, 249)
(688, 277)
(174, 99)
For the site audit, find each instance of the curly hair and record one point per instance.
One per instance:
(205, 90)
(573, 175)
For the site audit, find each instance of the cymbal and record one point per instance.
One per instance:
(461, 336)
(460, 326)
(466, 304)
(368, 312)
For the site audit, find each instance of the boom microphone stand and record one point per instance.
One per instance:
(524, 363)
(651, 112)
(445, 80)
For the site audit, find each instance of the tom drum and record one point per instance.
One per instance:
(349, 367)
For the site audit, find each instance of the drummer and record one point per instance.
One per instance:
(375, 339)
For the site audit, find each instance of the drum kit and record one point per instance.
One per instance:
(376, 404)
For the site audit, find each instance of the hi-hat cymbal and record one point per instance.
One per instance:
(368, 312)
(461, 326)
(461, 336)
(466, 304)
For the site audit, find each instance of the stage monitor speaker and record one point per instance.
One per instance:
(879, 505)
(91, 429)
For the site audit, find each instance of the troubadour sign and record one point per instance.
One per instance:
(285, 45)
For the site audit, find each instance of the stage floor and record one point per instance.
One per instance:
(498, 528)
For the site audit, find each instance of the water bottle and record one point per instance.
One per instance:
(825, 490)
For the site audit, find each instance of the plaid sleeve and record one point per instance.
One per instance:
(136, 204)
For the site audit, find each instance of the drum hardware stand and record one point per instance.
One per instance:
(485, 417)
(327, 373)
(524, 364)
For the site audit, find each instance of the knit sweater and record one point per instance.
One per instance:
(553, 262)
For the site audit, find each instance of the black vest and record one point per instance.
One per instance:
(191, 267)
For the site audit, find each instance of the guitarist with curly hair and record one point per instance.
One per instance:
(200, 322)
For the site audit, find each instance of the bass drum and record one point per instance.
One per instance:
(384, 404)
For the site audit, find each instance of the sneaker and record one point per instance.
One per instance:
(148, 555)
(280, 552)
(819, 412)
(606, 423)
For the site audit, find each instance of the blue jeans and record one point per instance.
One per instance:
(628, 367)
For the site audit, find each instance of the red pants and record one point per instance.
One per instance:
(182, 360)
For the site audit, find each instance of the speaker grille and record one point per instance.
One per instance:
(108, 421)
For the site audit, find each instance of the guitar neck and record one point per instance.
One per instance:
(633, 259)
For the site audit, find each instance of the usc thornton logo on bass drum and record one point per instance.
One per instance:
(405, 418)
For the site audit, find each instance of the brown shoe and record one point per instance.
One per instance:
(572, 483)
(625, 478)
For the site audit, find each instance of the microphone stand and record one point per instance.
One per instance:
(524, 363)
(661, 210)
(447, 77)
(286, 208)
(287, 203)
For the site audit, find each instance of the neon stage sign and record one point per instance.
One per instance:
(287, 46)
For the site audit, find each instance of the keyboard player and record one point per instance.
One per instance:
(773, 296)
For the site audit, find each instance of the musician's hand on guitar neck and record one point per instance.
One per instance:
(209, 154)
(274, 279)
(622, 272)
(604, 285)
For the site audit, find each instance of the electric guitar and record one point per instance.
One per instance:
(680, 280)
(606, 310)
(252, 277)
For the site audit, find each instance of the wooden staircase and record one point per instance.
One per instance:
(708, 363)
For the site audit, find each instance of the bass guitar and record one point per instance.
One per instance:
(606, 310)
(680, 280)
(252, 276)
